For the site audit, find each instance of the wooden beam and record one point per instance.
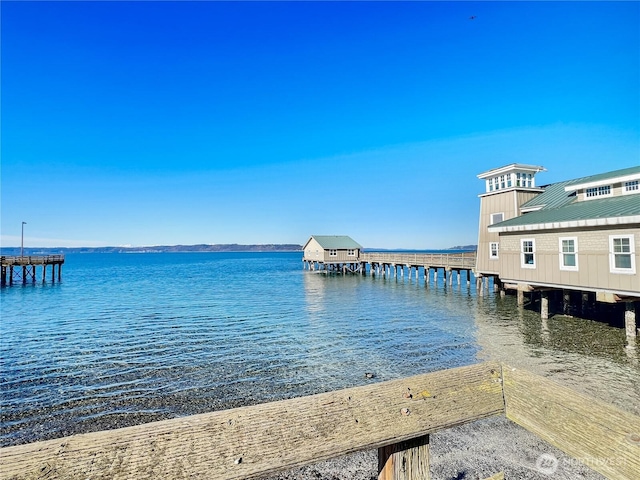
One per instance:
(407, 460)
(250, 442)
(599, 435)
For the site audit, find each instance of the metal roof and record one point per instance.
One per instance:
(557, 206)
(606, 176)
(553, 196)
(337, 242)
(610, 211)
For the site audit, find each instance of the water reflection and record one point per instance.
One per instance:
(586, 355)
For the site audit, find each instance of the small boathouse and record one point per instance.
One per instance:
(23, 268)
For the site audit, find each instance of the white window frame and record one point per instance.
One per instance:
(598, 192)
(333, 252)
(492, 221)
(351, 252)
(631, 253)
(491, 250)
(562, 253)
(523, 264)
(631, 187)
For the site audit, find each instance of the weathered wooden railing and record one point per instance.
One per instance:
(465, 260)
(396, 417)
(31, 260)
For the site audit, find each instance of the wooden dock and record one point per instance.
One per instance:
(388, 264)
(396, 417)
(22, 269)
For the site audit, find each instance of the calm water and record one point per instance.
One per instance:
(131, 338)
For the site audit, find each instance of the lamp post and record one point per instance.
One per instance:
(22, 240)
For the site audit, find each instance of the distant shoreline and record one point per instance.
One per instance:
(231, 247)
(226, 247)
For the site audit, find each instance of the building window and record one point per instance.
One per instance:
(632, 186)
(491, 184)
(501, 181)
(568, 253)
(602, 191)
(622, 254)
(333, 253)
(351, 253)
(496, 218)
(493, 250)
(508, 180)
(529, 180)
(528, 249)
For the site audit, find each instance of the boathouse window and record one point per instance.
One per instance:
(602, 191)
(508, 180)
(501, 181)
(568, 253)
(632, 186)
(351, 253)
(497, 217)
(528, 253)
(493, 250)
(518, 181)
(491, 184)
(622, 254)
(333, 253)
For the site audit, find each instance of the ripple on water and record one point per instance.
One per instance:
(126, 339)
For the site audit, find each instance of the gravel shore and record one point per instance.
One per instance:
(469, 452)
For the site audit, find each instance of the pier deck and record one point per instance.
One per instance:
(22, 268)
(394, 264)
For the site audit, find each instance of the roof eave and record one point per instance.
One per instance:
(591, 222)
(599, 183)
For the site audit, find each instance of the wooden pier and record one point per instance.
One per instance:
(23, 269)
(396, 417)
(458, 265)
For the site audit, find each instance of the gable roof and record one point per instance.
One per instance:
(557, 207)
(334, 242)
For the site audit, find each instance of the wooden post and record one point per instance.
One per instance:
(544, 305)
(405, 460)
(520, 296)
(630, 323)
(479, 283)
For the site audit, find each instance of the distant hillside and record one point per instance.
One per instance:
(227, 247)
(465, 247)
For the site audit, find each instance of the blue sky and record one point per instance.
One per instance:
(147, 123)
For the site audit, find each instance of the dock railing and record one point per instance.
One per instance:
(464, 260)
(20, 260)
(396, 417)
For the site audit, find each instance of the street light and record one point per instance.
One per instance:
(22, 240)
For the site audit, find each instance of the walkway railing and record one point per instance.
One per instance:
(396, 417)
(466, 260)
(31, 260)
